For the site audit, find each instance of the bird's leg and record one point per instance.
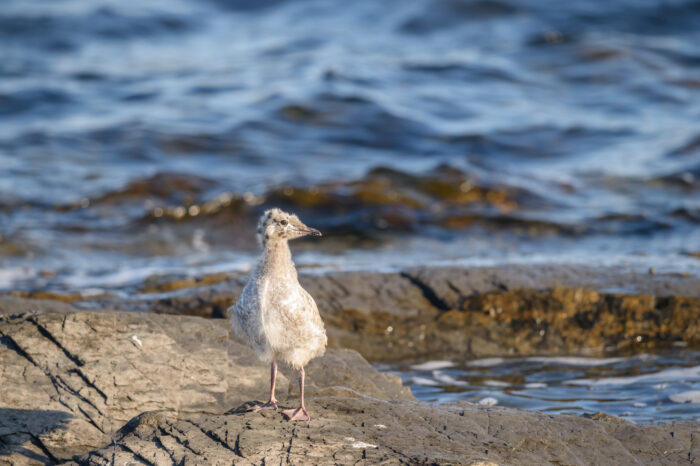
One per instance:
(299, 414)
(273, 379)
(272, 404)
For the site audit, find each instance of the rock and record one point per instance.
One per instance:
(479, 312)
(366, 431)
(72, 379)
(11, 307)
(453, 283)
(467, 312)
(121, 388)
(522, 310)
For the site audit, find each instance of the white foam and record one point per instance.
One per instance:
(575, 361)
(668, 374)
(640, 405)
(9, 276)
(424, 381)
(486, 362)
(89, 292)
(448, 379)
(488, 401)
(432, 365)
(692, 396)
(119, 277)
(563, 360)
(127, 275)
(198, 242)
(496, 383)
(536, 385)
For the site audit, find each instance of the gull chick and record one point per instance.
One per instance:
(275, 315)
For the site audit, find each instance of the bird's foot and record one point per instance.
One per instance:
(299, 414)
(272, 404)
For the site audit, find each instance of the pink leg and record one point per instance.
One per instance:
(272, 404)
(299, 414)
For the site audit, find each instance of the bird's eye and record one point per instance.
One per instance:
(283, 222)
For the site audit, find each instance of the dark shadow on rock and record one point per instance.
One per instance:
(27, 454)
(21, 431)
(244, 409)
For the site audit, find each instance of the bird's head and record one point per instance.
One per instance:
(277, 224)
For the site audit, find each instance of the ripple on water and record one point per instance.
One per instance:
(538, 130)
(642, 388)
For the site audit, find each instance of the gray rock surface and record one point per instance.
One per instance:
(70, 380)
(452, 282)
(478, 312)
(131, 388)
(414, 291)
(369, 431)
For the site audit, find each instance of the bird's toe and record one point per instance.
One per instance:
(299, 414)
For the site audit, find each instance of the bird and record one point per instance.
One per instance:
(276, 316)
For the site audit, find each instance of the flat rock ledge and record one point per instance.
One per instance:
(370, 431)
(138, 388)
(509, 310)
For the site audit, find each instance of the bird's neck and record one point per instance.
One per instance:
(277, 260)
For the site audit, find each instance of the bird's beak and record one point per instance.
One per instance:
(310, 231)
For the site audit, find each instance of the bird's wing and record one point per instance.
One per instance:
(245, 319)
(310, 309)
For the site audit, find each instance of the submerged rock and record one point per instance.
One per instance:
(120, 388)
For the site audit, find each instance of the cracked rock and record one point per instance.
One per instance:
(71, 380)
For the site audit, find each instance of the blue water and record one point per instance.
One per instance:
(144, 138)
(644, 388)
(113, 112)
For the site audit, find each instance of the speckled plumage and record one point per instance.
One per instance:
(275, 315)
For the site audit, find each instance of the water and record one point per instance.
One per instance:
(641, 388)
(142, 139)
(147, 137)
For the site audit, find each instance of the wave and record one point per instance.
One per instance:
(63, 31)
